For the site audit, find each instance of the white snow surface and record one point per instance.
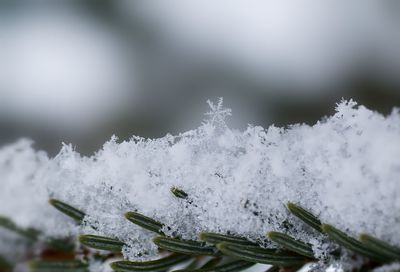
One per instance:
(345, 169)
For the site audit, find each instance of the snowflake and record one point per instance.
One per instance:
(218, 113)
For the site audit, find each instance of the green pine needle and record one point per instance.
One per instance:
(144, 222)
(29, 233)
(179, 193)
(67, 209)
(216, 238)
(100, 242)
(261, 255)
(193, 248)
(291, 244)
(305, 216)
(380, 246)
(159, 265)
(352, 244)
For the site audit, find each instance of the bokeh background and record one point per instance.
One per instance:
(81, 71)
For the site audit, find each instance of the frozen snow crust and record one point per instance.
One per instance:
(345, 169)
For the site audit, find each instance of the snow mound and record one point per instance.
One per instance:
(345, 169)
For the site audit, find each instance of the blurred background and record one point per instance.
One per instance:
(81, 71)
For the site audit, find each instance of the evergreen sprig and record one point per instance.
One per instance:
(291, 253)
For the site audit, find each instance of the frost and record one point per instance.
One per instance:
(344, 169)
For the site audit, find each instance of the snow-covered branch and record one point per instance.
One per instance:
(345, 169)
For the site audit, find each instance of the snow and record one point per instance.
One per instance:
(344, 169)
